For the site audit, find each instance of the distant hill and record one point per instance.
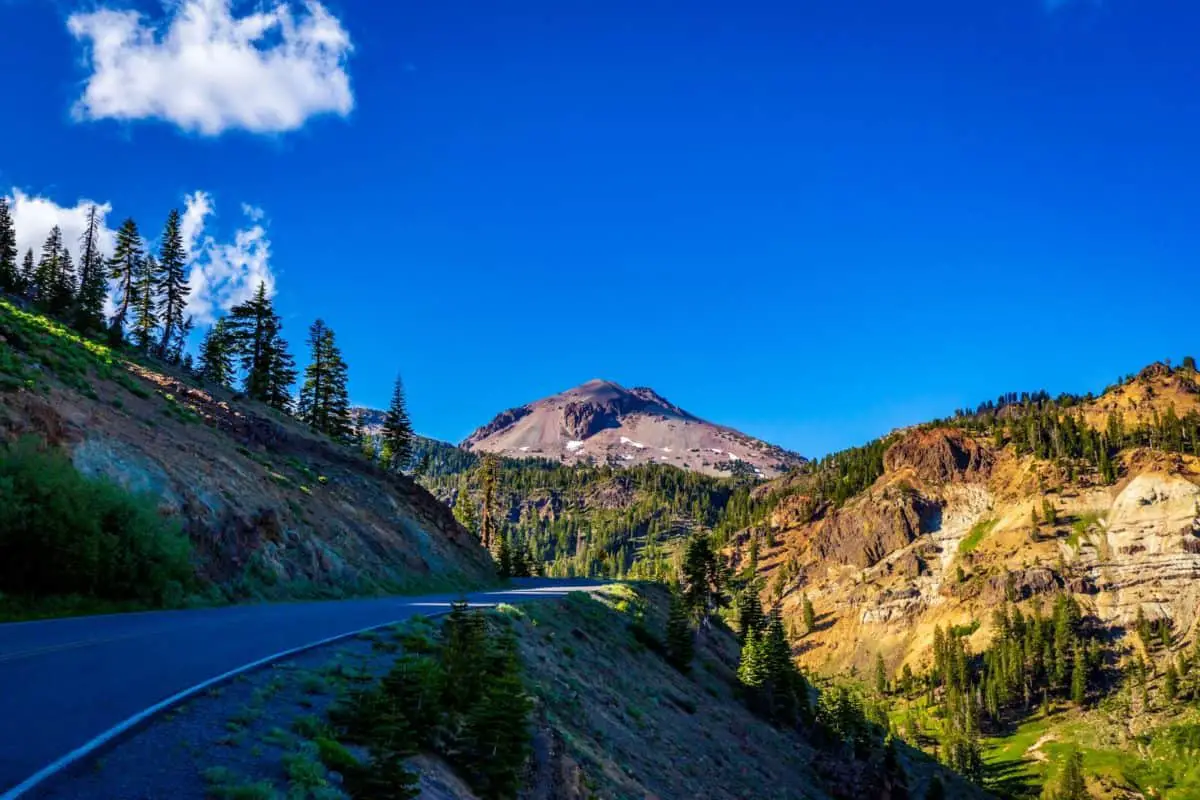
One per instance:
(601, 422)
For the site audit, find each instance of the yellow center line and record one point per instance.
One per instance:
(54, 648)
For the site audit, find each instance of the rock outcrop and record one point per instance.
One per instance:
(939, 455)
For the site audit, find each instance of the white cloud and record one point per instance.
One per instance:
(34, 216)
(224, 274)
(197, 206)
(206, 70)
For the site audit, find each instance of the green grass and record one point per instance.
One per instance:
(35, 340)
(1161, 763)
(1080, 528)
(225, 784)
(975, 536)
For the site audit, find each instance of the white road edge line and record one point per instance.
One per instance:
(84, 750)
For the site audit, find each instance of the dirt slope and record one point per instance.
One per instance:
(602, 422)
(273, 510)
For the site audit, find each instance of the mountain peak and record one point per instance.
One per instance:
(602, 422)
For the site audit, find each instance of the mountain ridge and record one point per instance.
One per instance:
(603, 422)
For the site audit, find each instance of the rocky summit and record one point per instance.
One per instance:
(601, 422)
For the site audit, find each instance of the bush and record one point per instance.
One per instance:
(62, 533)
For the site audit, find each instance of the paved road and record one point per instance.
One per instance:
(63, 682)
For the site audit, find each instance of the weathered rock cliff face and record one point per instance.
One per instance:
(947, 533)
(272, 509)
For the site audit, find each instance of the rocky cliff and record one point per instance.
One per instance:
(960, 522)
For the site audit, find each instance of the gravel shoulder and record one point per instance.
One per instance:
(253, 737)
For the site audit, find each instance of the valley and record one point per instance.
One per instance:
(1005, 598)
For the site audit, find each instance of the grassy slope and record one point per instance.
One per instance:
(1119, 762)
(626, 724)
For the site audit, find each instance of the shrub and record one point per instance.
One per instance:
(63, 533)
(465, 700)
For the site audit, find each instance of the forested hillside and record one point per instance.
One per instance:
(133, 475)
(1015, 581)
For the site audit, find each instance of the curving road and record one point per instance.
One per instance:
(65, 682)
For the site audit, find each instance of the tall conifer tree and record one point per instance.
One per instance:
(397, 428)
(171, 283)
(93, 287)
(28, 275)
(489, 476)
(10, 278)
(145, 309)
(216, 355)
(324, 402)
(45, 277)
(268, 368)
(62, 293)
(124, 267)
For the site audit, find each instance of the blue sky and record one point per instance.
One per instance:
(814, 221)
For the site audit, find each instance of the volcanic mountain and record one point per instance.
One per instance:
(602, 422)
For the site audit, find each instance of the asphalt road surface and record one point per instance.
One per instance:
(64, 682)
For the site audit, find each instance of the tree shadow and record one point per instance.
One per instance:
(1011, 780)
(823, 621)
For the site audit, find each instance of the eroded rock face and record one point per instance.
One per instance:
(256, 495)
(582, 419)
(1147, 553)
(864, 535)
(1019, 585)
(939, 455)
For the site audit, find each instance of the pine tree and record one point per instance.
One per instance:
(519, 557)
(281, 372)
(1142, 626)
(1171, 682)
(324, 402)
(171, 284)
(749, 611)
(489, 474)
(93, 286)
(45, 278)
(752, 670)
(124, 267)
(464, 509)
(783, 682)
(397, 428)
(880, 675)
(681, 638)
(62, 294)
(1078, 677)
(1072, 785)
(809, 615)
(503, 556)
(254, 329)
(10, 278)
(145, 309)
(216, 355)
(28, 275)
(703, 579)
